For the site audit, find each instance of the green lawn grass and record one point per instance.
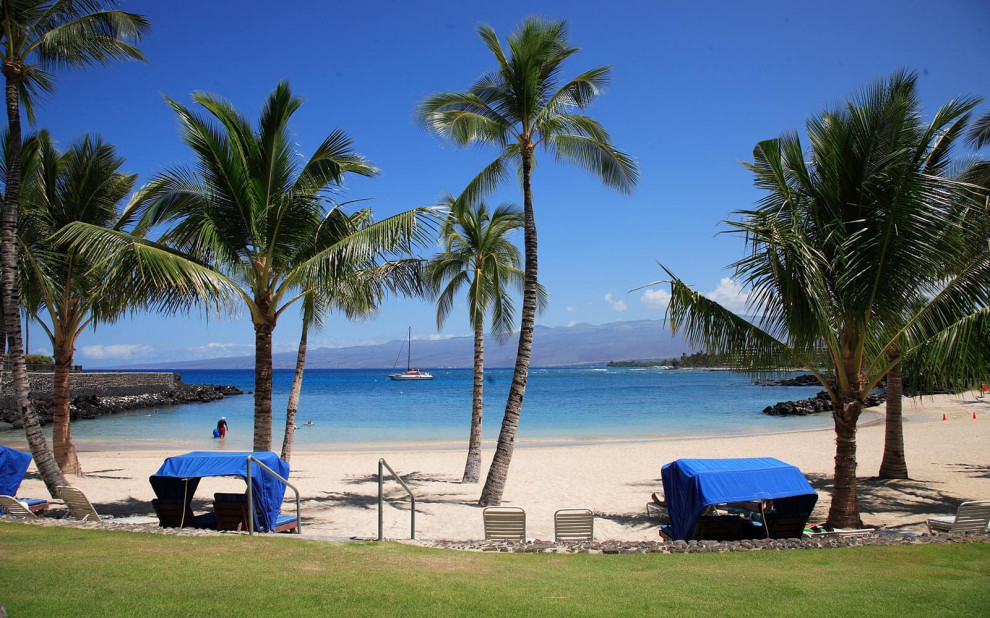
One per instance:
(73, 572)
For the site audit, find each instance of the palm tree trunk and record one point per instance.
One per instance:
(894, 464)
(263, 386)
(491, 494)
(472, 469)
(293, 407)
(65, 451)
(844, 511)
(43, 457)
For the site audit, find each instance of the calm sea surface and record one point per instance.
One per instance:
(350, 407)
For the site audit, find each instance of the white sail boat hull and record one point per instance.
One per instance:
(410, 374)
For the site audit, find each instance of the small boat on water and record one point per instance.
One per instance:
(409, 374)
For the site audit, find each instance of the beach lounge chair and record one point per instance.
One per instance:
(15, 508)
(232, 514)
(80, 506)
(785, 527)
(972, 516)
(504, 523)
(573, 525)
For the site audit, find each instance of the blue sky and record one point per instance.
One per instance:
(695, 86)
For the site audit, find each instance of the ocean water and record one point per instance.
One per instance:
(355, 407)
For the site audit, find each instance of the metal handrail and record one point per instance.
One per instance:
(381, 499)
(250, 495)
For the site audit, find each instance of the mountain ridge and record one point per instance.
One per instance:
(579, 344)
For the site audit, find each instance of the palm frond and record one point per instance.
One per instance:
(613, 167)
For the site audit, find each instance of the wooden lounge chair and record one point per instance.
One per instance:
(15, 508)
(177, 514)
(504, 523)
(785, 527)
(232, 514)
(80, 506)
(573, 525)
(972, 516)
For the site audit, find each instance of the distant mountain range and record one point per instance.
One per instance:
(580, 344)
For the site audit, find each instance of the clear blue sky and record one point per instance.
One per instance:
(695, 87)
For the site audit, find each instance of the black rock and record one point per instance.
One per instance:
(816, 405)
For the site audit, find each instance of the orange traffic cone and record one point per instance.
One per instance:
(943, 417)
(974, 416)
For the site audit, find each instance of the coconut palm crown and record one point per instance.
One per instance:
(249, 223)
(521, 107)
(844, 241)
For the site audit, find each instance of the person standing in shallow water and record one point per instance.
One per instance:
(222, 426)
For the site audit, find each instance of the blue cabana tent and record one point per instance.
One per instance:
(13, 467)
(179, 476)
(692, 485)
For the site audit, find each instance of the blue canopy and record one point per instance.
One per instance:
(692, 485)
(13, 466)
(179, 476)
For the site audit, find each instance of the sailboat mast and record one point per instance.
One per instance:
(409, 351)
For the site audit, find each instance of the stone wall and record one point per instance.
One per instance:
(99, 393)
(101, 384)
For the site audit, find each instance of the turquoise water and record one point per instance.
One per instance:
(350, 407)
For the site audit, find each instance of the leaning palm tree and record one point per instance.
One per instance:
(478, 255)
(518, 108)
(356, 288)
(38, 37)
(250, 213)
(842, 236)
(82, 184)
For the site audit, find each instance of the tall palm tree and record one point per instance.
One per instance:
(37, 38)
(479, 255)
(356, 289)
(842, 235)
(82, 184)
(250, 213)
(517, 108)
(935, 162)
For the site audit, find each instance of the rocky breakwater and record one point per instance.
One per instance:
(99, 393)
(815, 405)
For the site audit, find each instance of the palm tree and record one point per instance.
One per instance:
(935, 163)
(478, 255)
(249, 213)
(83, 184)
(517, 108)
(356, 289)
(38, 37)
(842, 236)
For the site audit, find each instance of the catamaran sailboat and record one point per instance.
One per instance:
(409, 373)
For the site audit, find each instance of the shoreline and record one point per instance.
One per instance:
(15, 439)
(339, 489)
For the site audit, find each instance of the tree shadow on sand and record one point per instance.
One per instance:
(409, 478)
(902, 497)
(629, 519)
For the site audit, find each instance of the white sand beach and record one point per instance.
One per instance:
(948, 462)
